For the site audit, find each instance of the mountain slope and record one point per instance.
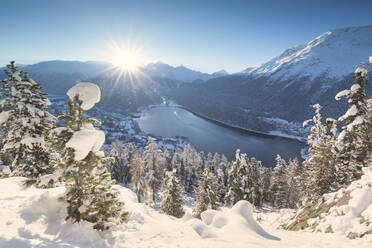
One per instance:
(180, 73)
(287, 85)
(335, 53)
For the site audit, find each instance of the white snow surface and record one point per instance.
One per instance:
(335, 53)
(351, 217)
(4, 116)
(86, 140)
(35, 218)
(89, 93)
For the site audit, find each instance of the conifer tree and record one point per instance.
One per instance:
(293, 180)
(222, 177)
(120, 167)
(319, 170)
(26, 123)
(265, 174)
(138, 173)
(253, 182)
(207, 193)
(355, 139)
(244, 180)
(89, 194)
(177, 162)
(154, 161)
(191, 162)
(279, 187)
(171, 193)
(234, 191)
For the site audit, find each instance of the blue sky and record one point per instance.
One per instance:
(202, 35)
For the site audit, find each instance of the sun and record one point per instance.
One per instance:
(126, 58)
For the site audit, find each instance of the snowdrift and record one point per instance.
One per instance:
(34, 217)
(347, 211)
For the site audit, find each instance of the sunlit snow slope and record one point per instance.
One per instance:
(35, 218)
(333, 54)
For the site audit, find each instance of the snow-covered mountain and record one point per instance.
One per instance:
(334, 54)
(89, 68)
(220, 73)
(180, 73)
(288, 84)
(92, 69)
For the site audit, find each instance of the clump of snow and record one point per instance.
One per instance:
(89, 93)
(342, 94)
(5, 170)
(355, 87)
(362, 71)
(86, 140)
(4, 116)
(353, 110)
(370, 59)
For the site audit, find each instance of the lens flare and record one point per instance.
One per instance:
(127, 58)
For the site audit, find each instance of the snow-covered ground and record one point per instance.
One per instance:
(35, 218)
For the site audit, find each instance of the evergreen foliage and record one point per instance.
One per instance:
(89, 194)
(138, 175)
(355, 139)
(278, 189)
(245, 181)
(120, 167)
(171, 195)
(319, 172)
(154, 162)
(207, 193)
(26, 123)
(294, 183)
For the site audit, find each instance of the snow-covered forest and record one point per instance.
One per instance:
(60, 188)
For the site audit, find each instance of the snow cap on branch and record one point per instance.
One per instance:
(84, 141)
(89, 93)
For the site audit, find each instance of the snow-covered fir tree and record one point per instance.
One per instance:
(138, 174)
(89, 195)
(191, 163)
(294, 183)
(355, 139)
(207, 193)
(234, 190)
(176, 162)
(244, 180)
(168, 160)
(26, 123)
(154, 162)
(120, 167)
(265, 175)
(171, 195)
(222, 176)
(278, 186)
(253, 182)
(319, 171)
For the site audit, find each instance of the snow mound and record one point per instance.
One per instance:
(89, 93)
(347, 212)
(232, 222)
(86, 140)
(4, 116)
